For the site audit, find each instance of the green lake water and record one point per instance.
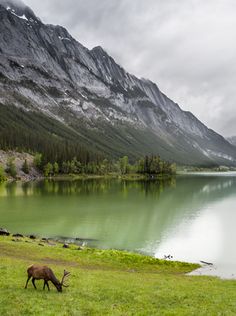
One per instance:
(190, 217)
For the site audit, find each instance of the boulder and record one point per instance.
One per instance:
(4, 232)
(17, 235)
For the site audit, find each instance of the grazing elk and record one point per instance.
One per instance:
(37, 272)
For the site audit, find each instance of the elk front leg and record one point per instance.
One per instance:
(27, 281)
(47, 285)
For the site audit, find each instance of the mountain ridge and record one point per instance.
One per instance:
(43, 68)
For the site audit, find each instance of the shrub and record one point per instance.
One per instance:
(11, 168)
(2, 175)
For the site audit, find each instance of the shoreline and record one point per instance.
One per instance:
(117, 176)
(201, 269)
(67, 242)
(79, 243)
(73, 177)
(214, 271)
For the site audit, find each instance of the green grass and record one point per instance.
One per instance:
(107, 282)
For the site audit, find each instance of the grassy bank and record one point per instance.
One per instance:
(107, 283)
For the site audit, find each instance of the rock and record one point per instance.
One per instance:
(32, 237)
(208, 263)
(66, 246)
(168, 257)
(4, 232)
(17, 235)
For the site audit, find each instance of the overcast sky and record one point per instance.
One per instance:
(187, 47)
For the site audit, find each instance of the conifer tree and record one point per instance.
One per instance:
(25, 167)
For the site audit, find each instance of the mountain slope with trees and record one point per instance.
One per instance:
(67, 99)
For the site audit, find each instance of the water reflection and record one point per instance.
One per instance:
(191, 217)
(85, 187)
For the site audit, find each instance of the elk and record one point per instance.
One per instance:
(37, 272)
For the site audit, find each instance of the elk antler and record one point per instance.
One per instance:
(65, 275)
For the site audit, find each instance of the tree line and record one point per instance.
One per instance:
(149, 165)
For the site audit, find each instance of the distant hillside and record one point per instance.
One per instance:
(59, 97)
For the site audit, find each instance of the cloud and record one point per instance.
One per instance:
(187, 47)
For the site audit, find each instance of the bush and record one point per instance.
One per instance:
(2, 175)
(11, 168)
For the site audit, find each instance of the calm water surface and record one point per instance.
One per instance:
(191, 217)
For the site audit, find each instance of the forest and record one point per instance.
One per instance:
(57, 150)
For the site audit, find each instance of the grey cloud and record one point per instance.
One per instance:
(187, 47)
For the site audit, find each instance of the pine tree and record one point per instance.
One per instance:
(55, 168)
(124, 165)
(38, 161)
(48, 169)
(25, 167)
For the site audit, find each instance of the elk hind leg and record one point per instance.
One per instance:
(33, 281)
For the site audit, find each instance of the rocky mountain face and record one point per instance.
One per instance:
(44, 69)
(232, 140)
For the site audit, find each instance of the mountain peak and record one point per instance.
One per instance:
(98, 50)
(19, 9)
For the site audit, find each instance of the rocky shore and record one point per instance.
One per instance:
(64, 241)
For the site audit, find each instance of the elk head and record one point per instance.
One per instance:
(62, 283)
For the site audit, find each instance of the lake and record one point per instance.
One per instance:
(190, 217)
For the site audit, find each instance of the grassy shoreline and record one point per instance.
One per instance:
(128, 177)
(107, 282)
(72, 177)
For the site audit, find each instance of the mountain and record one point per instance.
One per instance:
(232, 140)
(51, 83)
